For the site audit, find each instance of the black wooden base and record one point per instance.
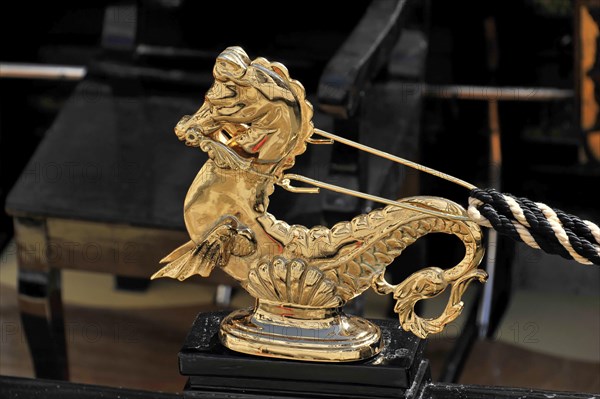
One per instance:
(398, 371)
(25, 388)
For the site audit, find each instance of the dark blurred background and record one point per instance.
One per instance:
(440, 91)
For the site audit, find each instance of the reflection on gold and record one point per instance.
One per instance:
(254, 121)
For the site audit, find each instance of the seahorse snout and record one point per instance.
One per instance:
(182, 126)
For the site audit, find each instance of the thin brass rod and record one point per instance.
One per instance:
(285, 183)
(394, 158)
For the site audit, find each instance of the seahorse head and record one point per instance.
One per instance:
(255, 109)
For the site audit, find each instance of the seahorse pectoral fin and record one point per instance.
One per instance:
(244, 242)
(227, 237)
(175, 269)
(179, 252)
(207, 257)
(201, 260)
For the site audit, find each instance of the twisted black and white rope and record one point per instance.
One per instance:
(537, 225)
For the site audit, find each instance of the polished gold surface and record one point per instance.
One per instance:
(255, 120)
(273, 329)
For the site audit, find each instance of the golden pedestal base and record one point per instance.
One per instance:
(309, 334)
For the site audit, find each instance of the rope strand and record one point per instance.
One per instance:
(537, 225)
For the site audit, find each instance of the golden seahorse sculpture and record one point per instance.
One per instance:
(254, 121)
